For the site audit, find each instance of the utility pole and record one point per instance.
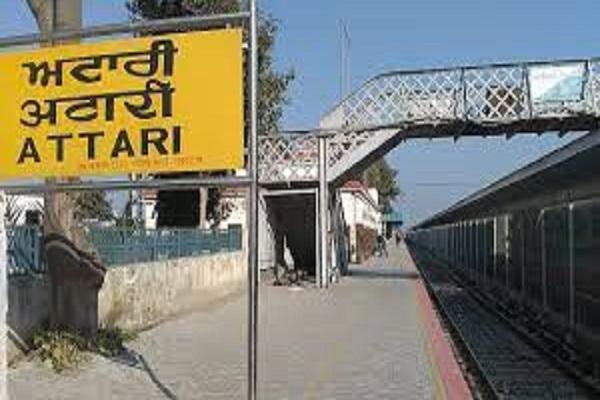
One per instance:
(344, 60)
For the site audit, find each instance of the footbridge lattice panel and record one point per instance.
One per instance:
(489, 96)
(478, 101)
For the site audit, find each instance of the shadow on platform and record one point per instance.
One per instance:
(133, 359)
(366, 273)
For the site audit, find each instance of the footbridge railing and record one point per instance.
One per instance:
(497, 99)
(288, 158)
(539, 95)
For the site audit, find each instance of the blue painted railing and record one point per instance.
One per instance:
(24, 250)
(119, 246)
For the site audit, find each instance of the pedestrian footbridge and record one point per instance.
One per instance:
(499, 99)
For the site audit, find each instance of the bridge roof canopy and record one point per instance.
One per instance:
(576, 161)
(490, 99)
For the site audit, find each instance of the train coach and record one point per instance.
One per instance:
(530, 243)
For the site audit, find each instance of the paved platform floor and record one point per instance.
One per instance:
(360, 340)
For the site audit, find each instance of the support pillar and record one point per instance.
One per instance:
(485, 252)
(523, 260)
(323, 270)
(507, 252)
(571, 268)
(495, 251)
(478, 253)
(544, 263)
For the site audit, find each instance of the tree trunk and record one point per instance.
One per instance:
(75, 277)
(57, 15)
(59, 209)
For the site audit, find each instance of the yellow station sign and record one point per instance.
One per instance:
(156, 104)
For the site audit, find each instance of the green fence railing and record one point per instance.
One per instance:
(119, 246)
(24, 250)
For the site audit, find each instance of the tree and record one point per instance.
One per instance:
(60, 208)
(272, 96)
(383, 177)
(93, 205)
(273, 85)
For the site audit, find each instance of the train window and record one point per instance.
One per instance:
(556, 227)
(596, 222)
(586, 252)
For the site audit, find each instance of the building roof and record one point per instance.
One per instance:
(576, 160)
(353, 185)
(356, 186)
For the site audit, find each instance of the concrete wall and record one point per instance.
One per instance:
(358, 210)
(364, 222)
(28, 308)
(133, 296)
(140, 295)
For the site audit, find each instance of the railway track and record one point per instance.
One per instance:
(507, 365)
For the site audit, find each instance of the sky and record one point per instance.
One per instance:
(406, 34)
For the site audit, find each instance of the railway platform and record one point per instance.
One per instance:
(369, 337)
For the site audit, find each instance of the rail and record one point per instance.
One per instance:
(510, 361)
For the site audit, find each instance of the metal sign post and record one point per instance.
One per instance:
(250, 181)
(253, 211)
(3, 300)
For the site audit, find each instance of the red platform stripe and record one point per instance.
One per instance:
(455, 386)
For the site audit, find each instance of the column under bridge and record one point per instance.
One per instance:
(489, 100)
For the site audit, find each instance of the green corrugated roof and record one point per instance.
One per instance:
(393, 217)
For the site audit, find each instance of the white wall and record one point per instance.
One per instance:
(237, 213)
(358, 210)
(148, 213)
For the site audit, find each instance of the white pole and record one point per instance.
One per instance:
(323, 276)
(3, 299)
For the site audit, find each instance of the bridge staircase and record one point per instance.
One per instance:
(489, 100)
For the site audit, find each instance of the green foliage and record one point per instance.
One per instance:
(125, 218)
(110, 342)
(272, 96)
(155, 9)
(383, 177)
(60, 350)
(273, 85)
(93, 205)
(65, 350)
